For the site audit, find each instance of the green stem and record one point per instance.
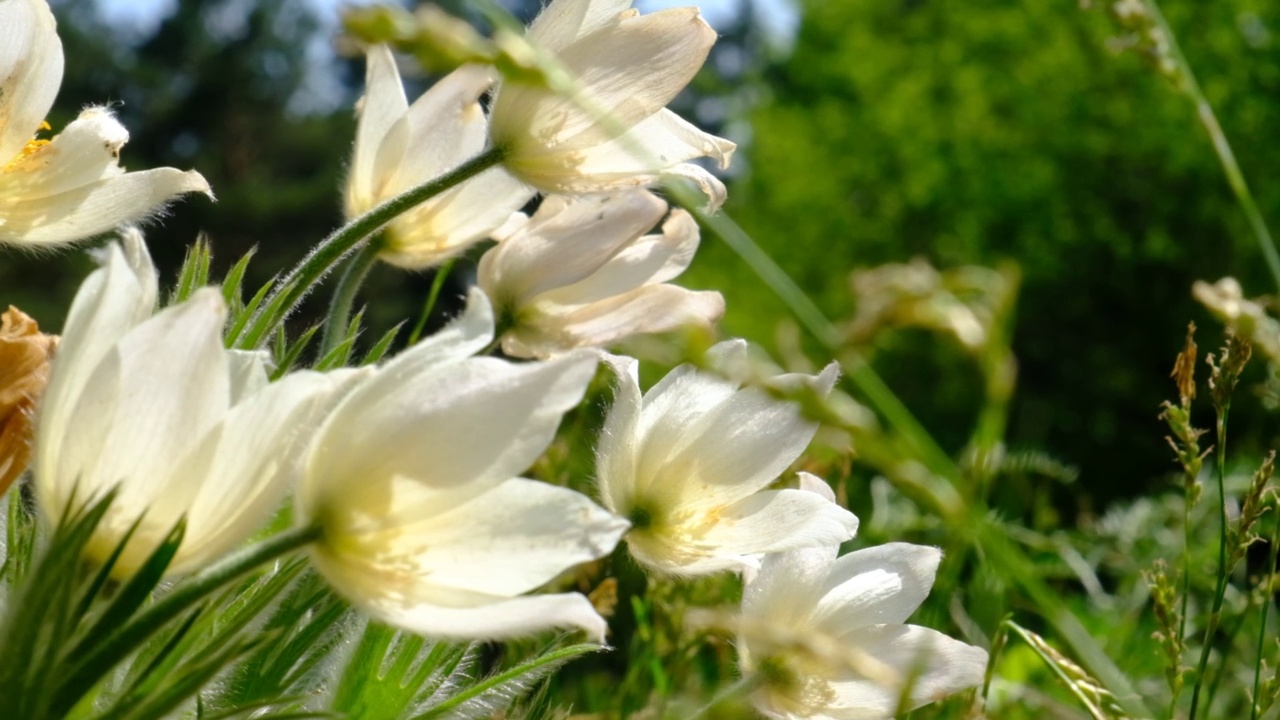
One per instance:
(344, 296)
(1221, 147)
(1262, 622)
(182, 598)
(290, 290)
(437, 284)
(1220, 589)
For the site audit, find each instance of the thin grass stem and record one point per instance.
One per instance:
(1186, 80)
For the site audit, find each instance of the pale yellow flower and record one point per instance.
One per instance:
(413, 481)
(152, 405)
(70, 187)
(615, 131)
(689, 464)
(399, 146)
(582, 273)
(827, 638)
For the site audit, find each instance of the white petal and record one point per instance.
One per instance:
(250, 461)
(157, 392)
(787, 583)
(509, 540)
(652, 309)
(648, 260)
(671, 408)
(497, 620)
(932, 664)
(464, 336)
(383, 105)
(446, 126)
(737, 448)
(471, 424)
(565, 242)
(564, 21)
(30, 72)
(112, 300)
(616, 448)
(881, 584)
(248, 372)
(780, 520)
(659, 145)
(73, 188)
(455, 220)
(627, 71)
(814, 484)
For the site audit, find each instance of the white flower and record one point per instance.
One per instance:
(826, 637)
(581, 272)
(155, 407)
(71, 187)
(688, 465)
(412, 480)
(627, 68)
(399, 146)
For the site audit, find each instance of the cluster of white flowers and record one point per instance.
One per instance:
(409, 472)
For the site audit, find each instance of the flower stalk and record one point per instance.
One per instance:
(292, 288)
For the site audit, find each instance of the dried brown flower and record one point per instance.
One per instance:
(25, 353)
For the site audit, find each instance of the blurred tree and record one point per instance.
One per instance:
(969, 133)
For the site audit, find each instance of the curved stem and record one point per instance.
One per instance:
(437, 283)
(1221, 147)
(335, 323)
(290, 289)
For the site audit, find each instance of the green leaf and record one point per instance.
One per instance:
(233, 282)
(194, 273)
(496, 692)
(380, 348)
(392, 674)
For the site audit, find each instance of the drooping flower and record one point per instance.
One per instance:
(70, 187)
(582, 273)
(826, 636)
(412, 480)
(615, 131)
(688, 464)
(153, 406)
(399, 146)
(24, 370)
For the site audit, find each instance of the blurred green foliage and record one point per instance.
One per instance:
(974, 132)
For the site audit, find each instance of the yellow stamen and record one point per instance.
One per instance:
(33, 145)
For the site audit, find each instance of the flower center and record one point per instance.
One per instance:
(33, 145)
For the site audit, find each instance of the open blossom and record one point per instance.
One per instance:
(581, 272)
(827, 638)
(688, 464)
(413, 482)
(399, 146)
(153, 406)
(72, 186)
(616, 131)
(24, 370)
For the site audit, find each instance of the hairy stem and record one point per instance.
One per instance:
(292, 288)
